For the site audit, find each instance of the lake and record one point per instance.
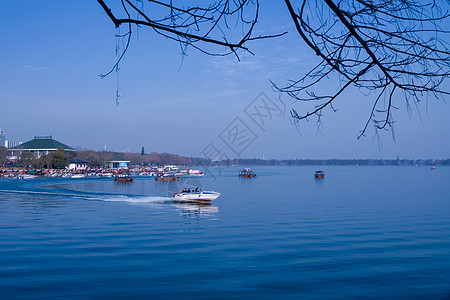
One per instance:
(361, 232)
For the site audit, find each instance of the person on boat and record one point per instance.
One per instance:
(189, 190)
(196, 190)
(183, 190)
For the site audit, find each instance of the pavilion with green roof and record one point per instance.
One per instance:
(40, 145)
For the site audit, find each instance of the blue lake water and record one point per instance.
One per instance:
(361, 232)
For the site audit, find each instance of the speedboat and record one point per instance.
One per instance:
(197, 196)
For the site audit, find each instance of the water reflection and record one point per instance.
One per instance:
(197, 209)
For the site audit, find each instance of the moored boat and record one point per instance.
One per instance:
(166, 178)
(25, 176)
(77, 176)
(195, 173)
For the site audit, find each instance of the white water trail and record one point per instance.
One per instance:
(137, 199)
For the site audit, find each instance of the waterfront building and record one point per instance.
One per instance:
(117, 164)
(77, 164)
(40, 145)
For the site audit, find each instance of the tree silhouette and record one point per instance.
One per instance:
(385, 47)
(391, 49)
(190, 26)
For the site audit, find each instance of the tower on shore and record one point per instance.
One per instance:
(2, 138)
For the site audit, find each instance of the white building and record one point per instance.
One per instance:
(77, 164)
(10, 144)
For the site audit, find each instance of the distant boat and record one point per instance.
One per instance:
(197, 196)
(166, 177)
(433, 168)
(78, 176)
(25, 176)
(319, 174)
(195, 173)
(123, 178)
(247, 173)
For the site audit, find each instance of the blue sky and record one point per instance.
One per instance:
(53, 51)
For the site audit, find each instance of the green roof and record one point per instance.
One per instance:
(42, 142)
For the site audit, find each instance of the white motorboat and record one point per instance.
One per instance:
(197, 196)
(25, 176)
(78, 176)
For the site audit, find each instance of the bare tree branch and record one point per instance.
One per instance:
(396, 50)
(390, 47)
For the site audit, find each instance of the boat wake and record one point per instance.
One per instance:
(136, 199)
(44, 193)
(100, 197)
(185, 207)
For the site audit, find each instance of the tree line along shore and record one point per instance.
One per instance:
(59, 160)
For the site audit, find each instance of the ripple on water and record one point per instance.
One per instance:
(340, 239)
